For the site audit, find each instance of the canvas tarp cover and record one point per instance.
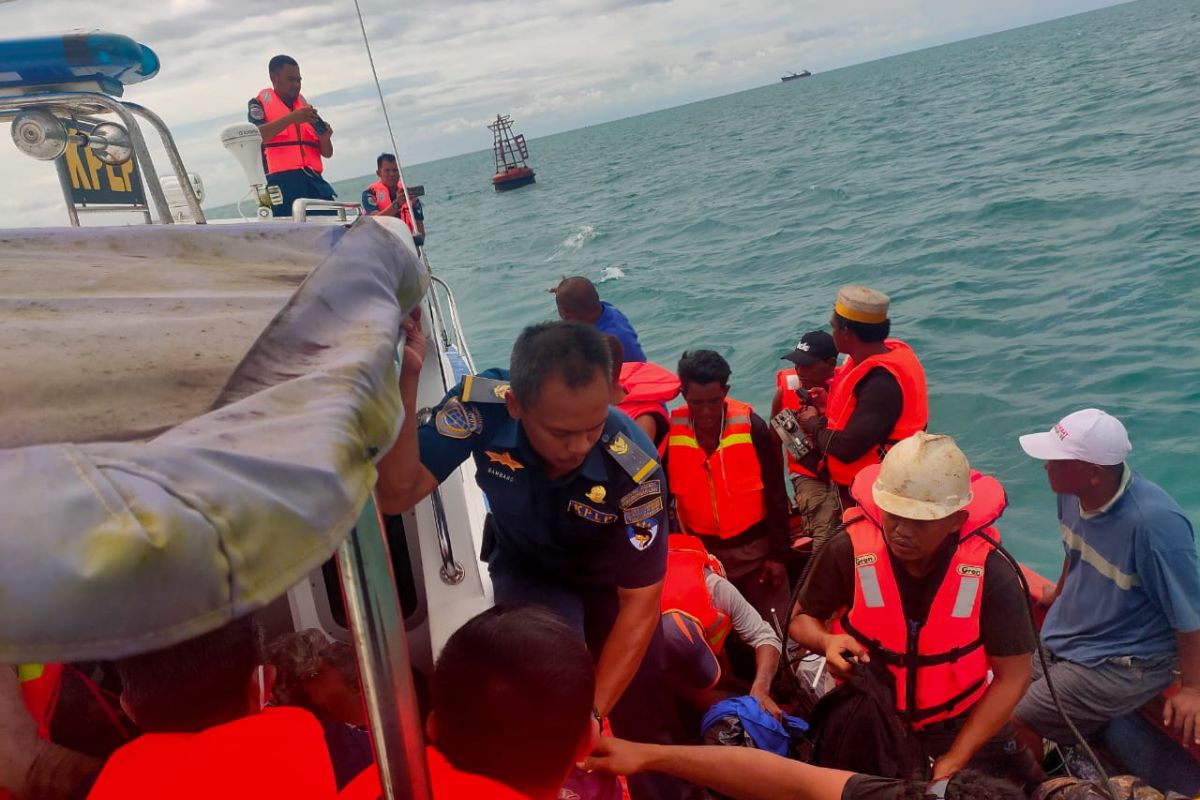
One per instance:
(189, 417)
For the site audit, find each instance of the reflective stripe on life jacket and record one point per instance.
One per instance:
(939, 665)
(686, 590)
(786, 381)
(722, 494)
(280, 752)
(40, 686)
(294, 147)
(648, 388)
(902, 363)
(383, 199)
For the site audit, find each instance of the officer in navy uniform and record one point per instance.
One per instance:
(578, 518)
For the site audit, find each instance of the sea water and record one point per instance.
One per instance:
(1030, 200)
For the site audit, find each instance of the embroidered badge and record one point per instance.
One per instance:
(591, 514)
(970, 571)
(456, 421)
(865, 560)
(597, 494)
(256, 112)
(619, 446)
(644, 511)
(641, 537)
(644, 490)
(504, 460)
(502, 390)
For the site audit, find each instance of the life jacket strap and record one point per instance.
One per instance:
(894, 659)
(920, 714)
(294, 143)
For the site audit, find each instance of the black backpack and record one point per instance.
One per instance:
(856, 728)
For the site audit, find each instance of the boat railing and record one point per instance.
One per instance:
(302, 207)
(443, 294)
(451, 572)
(381, 646)
(79, 105)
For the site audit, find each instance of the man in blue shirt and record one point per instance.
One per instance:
(578, 506)
(1126, 611)
(578, 301)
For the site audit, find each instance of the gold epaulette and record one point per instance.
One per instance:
(629, 456)
(477, 389)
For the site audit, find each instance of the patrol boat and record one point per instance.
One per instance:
(192, 411)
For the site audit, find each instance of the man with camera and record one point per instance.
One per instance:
(386, 197)
(295, 138)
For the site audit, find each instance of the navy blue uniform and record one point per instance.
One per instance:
(567, 544)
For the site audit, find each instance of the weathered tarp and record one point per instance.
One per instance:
(211, 435)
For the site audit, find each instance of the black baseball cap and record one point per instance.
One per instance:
(813, 346)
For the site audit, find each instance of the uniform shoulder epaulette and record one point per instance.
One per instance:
(628, 455)
(477, 389)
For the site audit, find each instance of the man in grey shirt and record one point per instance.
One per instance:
(700, 608)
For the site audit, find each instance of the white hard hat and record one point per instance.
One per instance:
(923, 477)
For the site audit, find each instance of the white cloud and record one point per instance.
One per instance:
(448, 66)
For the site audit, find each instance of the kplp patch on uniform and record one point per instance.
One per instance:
(456, 421)
(256, 112)
(641, 536)
(591, 514)
(644, 512)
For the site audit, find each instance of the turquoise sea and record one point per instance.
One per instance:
(1030, 200)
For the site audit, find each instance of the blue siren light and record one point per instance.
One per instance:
(109, 59)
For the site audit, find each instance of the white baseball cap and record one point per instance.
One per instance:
(1089, 435)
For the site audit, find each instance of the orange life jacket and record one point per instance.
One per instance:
(722, 494)
(902, 363)
(648, 388)
(40, 685)
(294, 147)
(685, 589)
(383, 199)
(447, 783)
(940, 667)
(280, 752)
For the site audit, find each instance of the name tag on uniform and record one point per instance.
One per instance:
(591, 514)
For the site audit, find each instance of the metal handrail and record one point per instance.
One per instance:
(301, 207)
(87, 102)
(381, 645)
(459, 335)
(451, 572)
(168, 141)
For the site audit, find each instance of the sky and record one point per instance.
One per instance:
(449, 66)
